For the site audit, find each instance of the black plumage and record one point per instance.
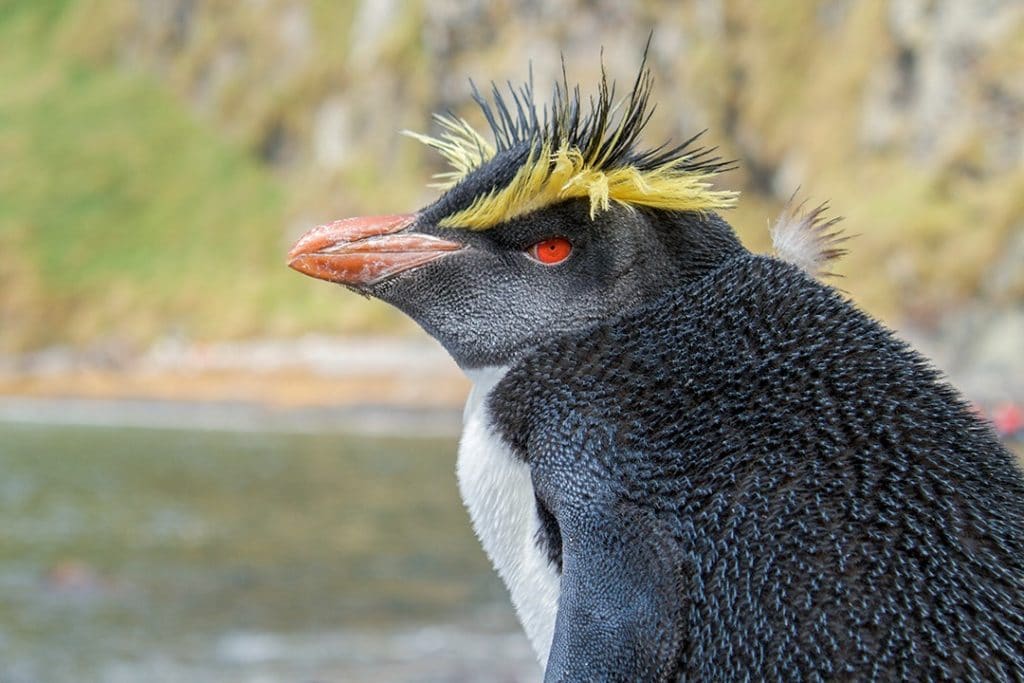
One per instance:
(732, 473)
(748, 478)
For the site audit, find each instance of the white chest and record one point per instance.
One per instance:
(498, 493)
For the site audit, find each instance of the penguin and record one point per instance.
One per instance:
(687, 461)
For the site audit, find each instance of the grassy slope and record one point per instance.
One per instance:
(122, 217)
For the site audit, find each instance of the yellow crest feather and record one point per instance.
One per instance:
(550, 177)
(568, 156)
(460, 144)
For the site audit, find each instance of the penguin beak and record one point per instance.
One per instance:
(361, 252)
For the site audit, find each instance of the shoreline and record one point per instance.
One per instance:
(375, 420)
(368, 386)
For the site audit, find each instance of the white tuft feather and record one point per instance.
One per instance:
(808, 238)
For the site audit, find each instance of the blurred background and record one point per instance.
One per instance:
(214, 469)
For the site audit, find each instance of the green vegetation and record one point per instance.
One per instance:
(123, 217)
(153, 175)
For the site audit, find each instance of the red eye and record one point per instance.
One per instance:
(552, 251)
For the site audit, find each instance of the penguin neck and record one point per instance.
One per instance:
(488, 373)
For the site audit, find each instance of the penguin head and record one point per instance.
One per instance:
(560, 223)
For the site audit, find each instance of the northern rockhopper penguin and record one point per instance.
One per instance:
(687, 461)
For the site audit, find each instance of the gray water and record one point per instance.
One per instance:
(169, 555)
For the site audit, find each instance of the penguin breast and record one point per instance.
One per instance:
(498, 492)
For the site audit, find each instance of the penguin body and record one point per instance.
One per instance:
(685, 461)
(751, 479)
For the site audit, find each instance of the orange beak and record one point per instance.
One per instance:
(360, 252)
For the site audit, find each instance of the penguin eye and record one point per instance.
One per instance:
(551, 251)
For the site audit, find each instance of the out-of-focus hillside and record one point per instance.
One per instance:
(160, 154)
(123, 215)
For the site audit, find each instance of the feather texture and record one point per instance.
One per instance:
(808, 239)
(571, 155)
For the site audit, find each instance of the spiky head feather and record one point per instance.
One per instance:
(559, 153)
